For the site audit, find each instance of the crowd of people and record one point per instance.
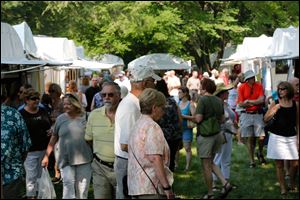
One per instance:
(122, 134)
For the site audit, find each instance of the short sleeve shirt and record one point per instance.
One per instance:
(72, 148)
(246, 92)
(128, 112)
(100, 130)
(146, 139)
(15, 141)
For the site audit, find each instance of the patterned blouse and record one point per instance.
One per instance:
(15, 141)
(146, 139)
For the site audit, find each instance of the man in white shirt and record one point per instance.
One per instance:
(127, 114)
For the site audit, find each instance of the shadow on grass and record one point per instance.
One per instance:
(252, 183)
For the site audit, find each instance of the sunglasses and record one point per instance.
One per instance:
(283, 88)
(107, 94)
(34, 98)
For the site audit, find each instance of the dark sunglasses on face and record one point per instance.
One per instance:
(107, 94)
(282, 88)
(34, 98)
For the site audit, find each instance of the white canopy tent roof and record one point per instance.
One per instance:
(285, 43)
(12, 49)
(25, 34)
(63, 49)
(54, 48)
(26, 38)
(251, 48)
(160, 61)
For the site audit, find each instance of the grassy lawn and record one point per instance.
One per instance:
(252, 183)
(255, 183)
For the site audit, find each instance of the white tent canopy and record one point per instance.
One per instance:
(251, 48)
(160, 61)
(26, 38)
(285, 43)
(55, 48)
(25, 34)
(12, 49)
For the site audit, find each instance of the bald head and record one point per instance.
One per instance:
(295, 82)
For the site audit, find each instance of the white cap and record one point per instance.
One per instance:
(142, 72)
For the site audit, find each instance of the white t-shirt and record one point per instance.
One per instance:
(128, 112)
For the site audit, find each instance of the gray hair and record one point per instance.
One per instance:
(149, 98)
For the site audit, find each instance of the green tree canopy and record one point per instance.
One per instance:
(129, 29)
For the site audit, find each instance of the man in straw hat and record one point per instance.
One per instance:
(128, 112)
(251, 98)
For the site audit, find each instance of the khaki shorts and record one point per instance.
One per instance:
(252, 125)
(209, 146)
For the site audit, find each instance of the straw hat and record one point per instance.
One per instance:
(222, 87)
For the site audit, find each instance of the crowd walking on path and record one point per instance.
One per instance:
(122, 135)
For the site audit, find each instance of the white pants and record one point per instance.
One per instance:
(33, 169)
(223, 158)
(76, 181)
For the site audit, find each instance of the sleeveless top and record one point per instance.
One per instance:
(285, 121)
(185, 111)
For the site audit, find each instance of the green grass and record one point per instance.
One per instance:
(256, 183)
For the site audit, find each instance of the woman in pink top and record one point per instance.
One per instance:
(148, 151)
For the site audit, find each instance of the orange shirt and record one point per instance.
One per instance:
(246, 92)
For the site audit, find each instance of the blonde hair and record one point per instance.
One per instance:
(73, 86)
(75, 102)
(149, 98)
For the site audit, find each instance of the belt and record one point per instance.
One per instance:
(122, 158)
(252, 112)
(108, 164)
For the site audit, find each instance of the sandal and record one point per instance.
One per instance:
(215, 189)
(252, 165)
(226, 189)
(208, 196)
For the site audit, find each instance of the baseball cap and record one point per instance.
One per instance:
(141, 72)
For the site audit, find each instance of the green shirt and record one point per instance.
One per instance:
(209, 106)
(100, 130)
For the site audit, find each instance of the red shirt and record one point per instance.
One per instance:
(246, 92)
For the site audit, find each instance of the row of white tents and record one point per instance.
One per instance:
(45, 59)
(262, 53)
(57, 59)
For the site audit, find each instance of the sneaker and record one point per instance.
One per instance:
(56, 180)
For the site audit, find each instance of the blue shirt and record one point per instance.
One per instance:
(15, 141)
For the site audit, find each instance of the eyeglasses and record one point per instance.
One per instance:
(34, 98)
(283, 88)
(107, 94)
